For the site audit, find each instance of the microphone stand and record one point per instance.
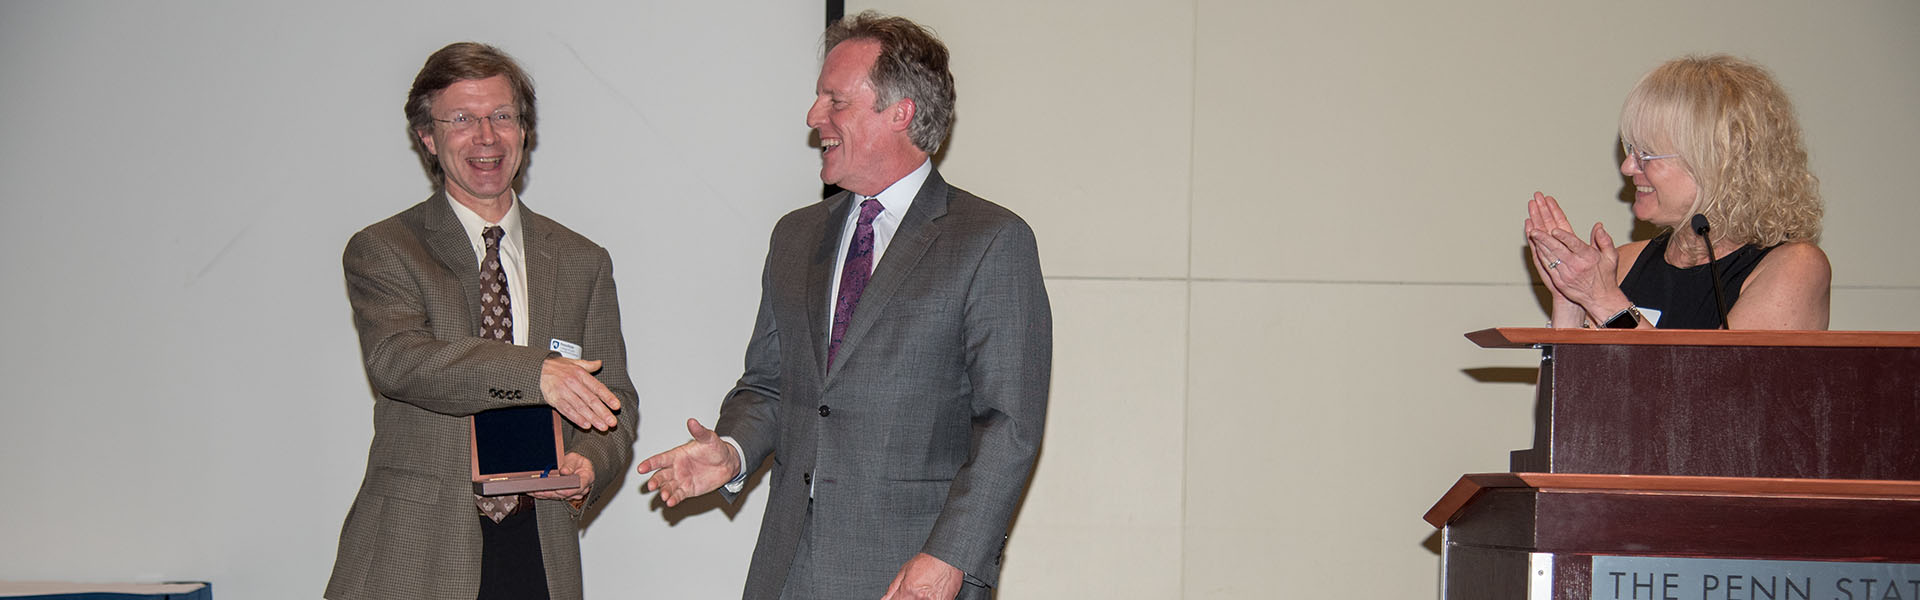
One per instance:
(1713, 267)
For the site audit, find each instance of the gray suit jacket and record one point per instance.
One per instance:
(922, 437)
(414, 284)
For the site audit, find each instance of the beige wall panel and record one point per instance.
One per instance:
(1106, 495)
(1078, 116)
(1360, 141)
(1297, 162)
(1855, 84)
(1879, 309)
(1324, 420)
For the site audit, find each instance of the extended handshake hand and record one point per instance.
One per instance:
(693, 468)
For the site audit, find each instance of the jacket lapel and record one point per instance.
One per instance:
(820, 279)
(539, 290)
(917, 231)
(448, 242)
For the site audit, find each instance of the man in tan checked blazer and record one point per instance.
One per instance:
(414, 281)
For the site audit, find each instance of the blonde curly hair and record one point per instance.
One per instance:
(1736, 134)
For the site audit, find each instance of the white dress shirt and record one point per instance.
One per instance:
(512, 259)
(895, 200)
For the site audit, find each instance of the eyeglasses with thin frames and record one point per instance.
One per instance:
(1640, 157)
(463, 122)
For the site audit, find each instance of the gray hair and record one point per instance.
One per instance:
(912, 64)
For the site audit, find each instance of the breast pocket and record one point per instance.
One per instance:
(932, 308)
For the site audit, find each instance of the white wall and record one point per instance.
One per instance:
(1264, 227)
(186, 399)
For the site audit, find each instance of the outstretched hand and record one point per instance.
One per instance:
(693, 468)
(570, 388)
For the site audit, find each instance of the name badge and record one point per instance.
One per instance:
(565, 348)
(1652, 315)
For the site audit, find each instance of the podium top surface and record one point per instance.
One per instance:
(1530, 337)
(1472, 485)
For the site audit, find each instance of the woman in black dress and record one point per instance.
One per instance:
(1711, 136)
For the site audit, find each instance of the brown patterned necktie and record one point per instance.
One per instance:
(496, 323)
(496, 306)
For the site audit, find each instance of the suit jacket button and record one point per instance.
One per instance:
(824, 411)
(808, 477)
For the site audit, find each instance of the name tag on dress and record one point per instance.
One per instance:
(1652, 315)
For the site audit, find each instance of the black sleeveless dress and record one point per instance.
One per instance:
(1684, 297)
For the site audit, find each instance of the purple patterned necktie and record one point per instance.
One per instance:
(853, 276)
(496, 323)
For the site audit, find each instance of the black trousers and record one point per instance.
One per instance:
(510, 564)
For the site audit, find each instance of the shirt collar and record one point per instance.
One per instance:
(472, 222)
(897, 198)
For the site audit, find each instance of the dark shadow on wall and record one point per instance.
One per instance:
(1541, 296)
(1522, 375)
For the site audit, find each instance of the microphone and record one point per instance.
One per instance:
(1713, 267)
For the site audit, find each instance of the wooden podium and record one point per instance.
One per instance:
(1779, 446)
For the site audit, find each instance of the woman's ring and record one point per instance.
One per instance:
(1554, 264)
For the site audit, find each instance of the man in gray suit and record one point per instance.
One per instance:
(899, 366)
(471, 302)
